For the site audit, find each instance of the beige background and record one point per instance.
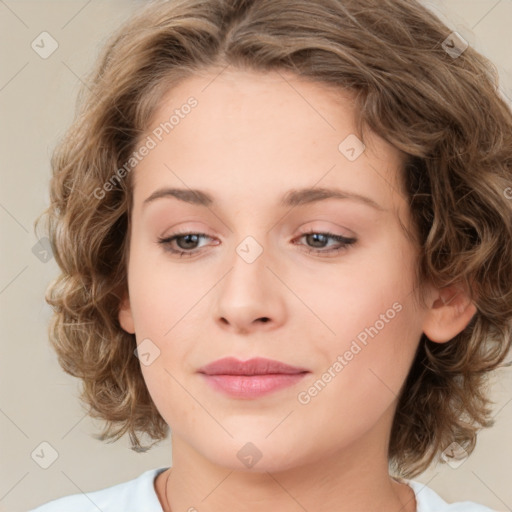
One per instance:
(37, 399)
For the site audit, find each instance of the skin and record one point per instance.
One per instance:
(251, 138)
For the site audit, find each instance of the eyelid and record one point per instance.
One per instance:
(322, 229)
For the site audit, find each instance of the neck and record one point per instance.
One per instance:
(356, 477)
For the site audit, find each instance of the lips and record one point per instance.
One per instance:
(255, 366)
(250, 379)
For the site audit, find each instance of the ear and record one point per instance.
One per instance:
(125, 315)
(449, 314)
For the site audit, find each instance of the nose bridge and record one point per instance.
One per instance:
(249, 262)
(251, 238)
(250, 290)
(250, 249)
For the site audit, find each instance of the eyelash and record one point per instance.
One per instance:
(346, 242)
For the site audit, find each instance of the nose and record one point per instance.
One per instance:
(250, 297)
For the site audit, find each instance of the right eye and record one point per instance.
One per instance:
(183, 240)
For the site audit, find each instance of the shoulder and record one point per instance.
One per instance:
(429, 501)
(136, 494)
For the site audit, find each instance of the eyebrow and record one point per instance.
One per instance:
(294, 197)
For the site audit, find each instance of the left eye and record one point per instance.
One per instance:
(314, 236)
(187, 242)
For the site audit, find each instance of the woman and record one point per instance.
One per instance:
(284, 236)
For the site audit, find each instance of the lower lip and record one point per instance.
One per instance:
(252, 386)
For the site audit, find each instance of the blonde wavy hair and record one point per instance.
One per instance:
(444, 113)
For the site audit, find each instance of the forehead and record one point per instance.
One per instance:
(253, 133)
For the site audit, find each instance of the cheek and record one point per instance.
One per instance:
(377, 330)
(361, 382)
(374, 315)
(378, 337)
(160, 296)
(166, 378)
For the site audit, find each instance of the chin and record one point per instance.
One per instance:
(254, 454)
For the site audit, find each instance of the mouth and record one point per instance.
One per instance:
(250, 379)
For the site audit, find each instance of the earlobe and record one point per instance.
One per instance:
(125, 316)
(449, 314)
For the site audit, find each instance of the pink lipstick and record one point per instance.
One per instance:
(250, 379)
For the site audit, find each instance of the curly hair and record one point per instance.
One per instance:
(444, 112)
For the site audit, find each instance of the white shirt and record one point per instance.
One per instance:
(139, 495)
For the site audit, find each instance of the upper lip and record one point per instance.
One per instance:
(255, 366)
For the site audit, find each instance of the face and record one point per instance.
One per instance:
(263, 273)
